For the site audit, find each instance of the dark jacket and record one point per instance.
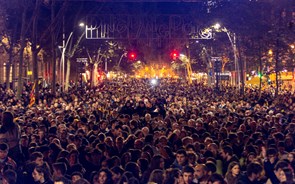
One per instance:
(243, 179)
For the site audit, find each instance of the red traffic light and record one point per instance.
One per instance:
(132, 55)
(174, 54)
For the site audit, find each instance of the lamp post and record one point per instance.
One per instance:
(123, 55)
(62, 59)
(233, 41)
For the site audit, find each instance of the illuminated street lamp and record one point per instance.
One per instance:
(232, 38)
(82, 24)
(62, 59)
(216, 26)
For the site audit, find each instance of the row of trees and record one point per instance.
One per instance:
(26, 24)
(259, 27)
(36, 27)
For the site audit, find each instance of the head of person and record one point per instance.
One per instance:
(59, 169)
(41, 174)
(188, 174)
(4, 148)
(37, 158)
(133, 167)
(272, 155)
(172, 175)
(7, 119)
(290, 157)
(9, 177)
(216, 179)
(279, 166)
(117, 172)
(81, 181)
(211, 167)
(233, 169)
(157, 162)
(181, 157)
(76, 176)
(286, 176)
(254, 170)
(226, 152)
(192, 158)
(201, 171)
(117, 131)
(104, 176)
(156, 176)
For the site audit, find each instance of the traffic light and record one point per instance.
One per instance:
(174, 54)
(259, 74)
(132, 55)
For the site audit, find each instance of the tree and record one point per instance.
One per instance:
(69, 55)
(41, 30)
(9, 32)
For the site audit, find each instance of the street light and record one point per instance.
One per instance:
(232, 38)
(62, 59)
(123, 55)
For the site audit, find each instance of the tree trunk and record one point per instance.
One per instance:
(241, 66)
(21, 53)
(13, 74)
(8, 66)
(35, 71)
(68, 75)
(53, 59)
(35, 50)
(260, 70)
(94, 74)
(277, 66)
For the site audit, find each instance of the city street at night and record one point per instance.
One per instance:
(147, 92)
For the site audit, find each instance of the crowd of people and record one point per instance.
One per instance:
(132, 131)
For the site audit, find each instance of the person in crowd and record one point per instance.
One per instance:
(117, 173)
(5, 160)
(9, 177)
(10, 133)
(6, 163)
(36, 159)
(227, 157)
(157, 162)
(286, 176)
(173, 175)
(252, 174)
(157, 176)
(277, 169)
(270, 161)
(181, 159)
(216, 179)
(188, 174)
(201, 174)
(290, 157)
(233, 172)
(42, 175)
(81, 181)
(76, 176)
(89, 128)
(59, 172)
(104, 176)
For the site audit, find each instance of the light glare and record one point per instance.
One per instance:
(154, 81)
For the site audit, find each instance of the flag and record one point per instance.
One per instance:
(32, 96)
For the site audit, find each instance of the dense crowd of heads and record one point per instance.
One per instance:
(132, 131)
